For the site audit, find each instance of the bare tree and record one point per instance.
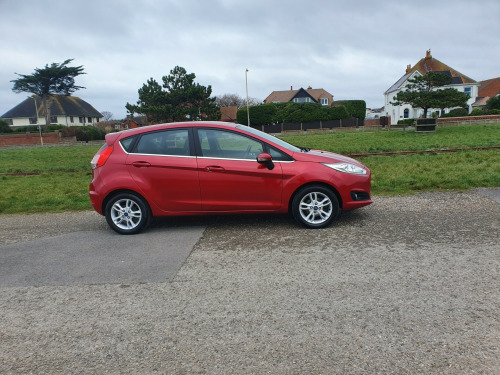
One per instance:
(231, 100)
(107, 116)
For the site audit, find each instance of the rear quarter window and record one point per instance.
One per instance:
(128, 143)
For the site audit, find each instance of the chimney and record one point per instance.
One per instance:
(428, 54)
(291, 88)
(408, 68)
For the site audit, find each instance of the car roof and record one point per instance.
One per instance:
(112, 137)
(181, 125)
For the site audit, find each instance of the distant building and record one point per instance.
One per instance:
(132, 123)
(228, 114)
(310, 95)
(487, 89)
(459, 82)
(372, 113)
(64, 110)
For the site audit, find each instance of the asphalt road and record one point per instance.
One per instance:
(409, 285)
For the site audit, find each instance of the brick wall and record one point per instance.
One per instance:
(468, 118)
(372, 122)
(384, 120)
(28, 139)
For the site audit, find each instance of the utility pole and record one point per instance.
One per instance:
(248, 111)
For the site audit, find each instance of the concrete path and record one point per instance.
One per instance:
(97, 257)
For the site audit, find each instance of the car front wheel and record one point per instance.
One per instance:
(315, 206)
(127, 213)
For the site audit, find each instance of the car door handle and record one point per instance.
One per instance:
(214, 168)
(141, 164)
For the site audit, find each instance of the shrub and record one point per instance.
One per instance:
(83, 133)
(494, 112)
(493, 102)
(28, 129)
(69, 131)
(406, 121)
(476, 112)
(89, 133)
(52, 128)
(457, 112)
(4, 126)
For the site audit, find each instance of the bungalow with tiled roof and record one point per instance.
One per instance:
(459, 82)
(64, 110)
(301, 96)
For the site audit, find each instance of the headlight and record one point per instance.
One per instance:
(346, 168)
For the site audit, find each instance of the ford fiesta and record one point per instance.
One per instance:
(194, 168)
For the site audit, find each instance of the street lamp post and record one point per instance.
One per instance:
(246, 82)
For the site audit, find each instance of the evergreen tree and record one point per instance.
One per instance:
(178, 99)
(56, 79)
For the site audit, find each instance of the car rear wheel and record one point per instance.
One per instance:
(127, 213)
(315, 206)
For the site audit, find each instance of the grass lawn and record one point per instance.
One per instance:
(62, 182)
(358, 142)
(62, 174)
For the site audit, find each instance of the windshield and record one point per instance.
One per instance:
(269, 138)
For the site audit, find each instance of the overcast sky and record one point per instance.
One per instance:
(353, 49)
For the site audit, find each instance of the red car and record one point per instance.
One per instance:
(194, 168)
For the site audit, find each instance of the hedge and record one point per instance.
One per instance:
(406, 121)
(83, 133)
(275, 113)
(457, 112)
(355, 108)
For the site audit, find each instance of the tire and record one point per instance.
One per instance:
(127, 213)
(315, 207)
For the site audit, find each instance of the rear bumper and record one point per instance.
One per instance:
(95, 199)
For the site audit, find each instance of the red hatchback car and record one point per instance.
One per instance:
(194, 168)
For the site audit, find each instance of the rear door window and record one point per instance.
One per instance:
(174, 142)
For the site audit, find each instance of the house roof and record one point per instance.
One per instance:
(430, 64)
(228, 114)
(288, 95)
(61, 105)
(489, 88)
(480, 102)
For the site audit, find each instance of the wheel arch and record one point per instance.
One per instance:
(120, 191)
(312, 183)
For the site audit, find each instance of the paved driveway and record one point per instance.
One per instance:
(409, 285)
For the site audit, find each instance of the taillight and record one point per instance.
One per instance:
(101, 157)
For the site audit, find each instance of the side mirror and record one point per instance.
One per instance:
(266, 159)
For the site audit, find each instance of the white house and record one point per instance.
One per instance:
(64, 110)
(459, 82)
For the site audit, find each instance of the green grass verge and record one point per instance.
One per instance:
(392, 175)
(47, 192)
(358, 142)
(48, 159)
(64, 172)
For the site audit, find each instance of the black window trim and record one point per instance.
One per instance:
(133, 149)
(266, 146)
